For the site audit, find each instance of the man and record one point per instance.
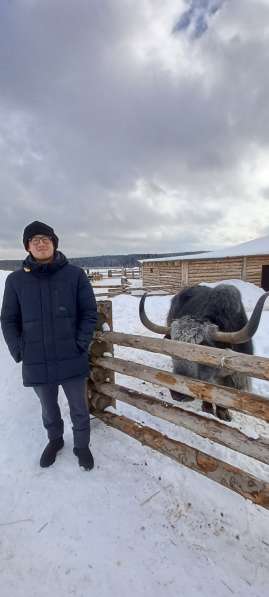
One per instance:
(48, 318)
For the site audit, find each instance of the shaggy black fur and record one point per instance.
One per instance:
(190, 312)
(221, 306)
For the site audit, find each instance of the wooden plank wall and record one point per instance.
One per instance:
(164, 273)
(182, 272)
(254, 268)
(212, 270)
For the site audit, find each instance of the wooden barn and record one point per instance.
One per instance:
(248, 261)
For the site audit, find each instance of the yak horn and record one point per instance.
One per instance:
(158, 329)
(247, 331)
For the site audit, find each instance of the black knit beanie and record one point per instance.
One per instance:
(39, 228)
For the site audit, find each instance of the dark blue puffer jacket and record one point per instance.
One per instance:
(48, 318)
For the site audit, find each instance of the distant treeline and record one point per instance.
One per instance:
(131, 260)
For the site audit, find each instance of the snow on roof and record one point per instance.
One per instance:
(258, 246)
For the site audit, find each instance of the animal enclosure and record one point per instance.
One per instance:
(103, 392)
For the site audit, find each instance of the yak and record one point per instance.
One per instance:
(211, 317)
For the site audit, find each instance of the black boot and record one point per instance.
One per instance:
(48, 457)
(85, 457)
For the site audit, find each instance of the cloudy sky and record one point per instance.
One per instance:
(134, 125)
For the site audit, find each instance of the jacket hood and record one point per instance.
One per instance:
(41, 269)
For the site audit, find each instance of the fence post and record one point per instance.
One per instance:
(97, 374)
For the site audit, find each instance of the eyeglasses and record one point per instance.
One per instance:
(40, 239)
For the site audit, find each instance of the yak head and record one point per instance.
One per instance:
(211, 316)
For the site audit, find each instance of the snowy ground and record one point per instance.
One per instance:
(138, 523)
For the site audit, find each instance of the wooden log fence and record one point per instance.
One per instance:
(205, 355)
(105, 392)
(134, 272)
(211, 429)
(227, 475)
(250, 404)
(117, 289)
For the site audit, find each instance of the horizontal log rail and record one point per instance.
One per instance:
(116, 286)
(221, 472)
(152, 288)
(133, 291)
(111, 292)
(253, 366)
(201, 425)
(128, 285)
(245, 402)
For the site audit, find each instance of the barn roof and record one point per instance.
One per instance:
(258, 246)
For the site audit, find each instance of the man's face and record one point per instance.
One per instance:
(41, 247)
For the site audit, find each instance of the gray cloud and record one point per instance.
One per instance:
(126, 137)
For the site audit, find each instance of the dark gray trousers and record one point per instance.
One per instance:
(75, 390)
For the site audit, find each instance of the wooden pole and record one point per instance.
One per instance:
(200, 424)
(97, 349)
(245, 402)
(227, 475)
